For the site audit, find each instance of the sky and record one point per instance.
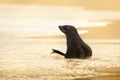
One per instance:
(34, 17)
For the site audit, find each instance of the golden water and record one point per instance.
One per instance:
(30, 59)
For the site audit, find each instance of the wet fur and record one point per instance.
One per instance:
(76, 47)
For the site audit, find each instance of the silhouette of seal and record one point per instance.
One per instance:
(76, 47)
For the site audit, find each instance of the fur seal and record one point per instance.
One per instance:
(76, 47)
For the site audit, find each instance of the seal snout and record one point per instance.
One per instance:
(60, 27)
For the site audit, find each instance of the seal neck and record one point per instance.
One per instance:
(73, 40)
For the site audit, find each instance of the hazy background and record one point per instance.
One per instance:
(99, 19)
(29, 31)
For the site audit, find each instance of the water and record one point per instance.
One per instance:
(30, 59)
(35, 19)
(25, 57)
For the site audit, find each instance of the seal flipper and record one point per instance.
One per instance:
(58, 52)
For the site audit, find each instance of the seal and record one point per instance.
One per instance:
(76, 47)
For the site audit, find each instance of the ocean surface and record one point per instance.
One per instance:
(25, 51)
(30, 59)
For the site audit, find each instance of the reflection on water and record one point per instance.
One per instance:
(29, 59)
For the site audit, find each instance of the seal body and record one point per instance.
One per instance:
(76, 47)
